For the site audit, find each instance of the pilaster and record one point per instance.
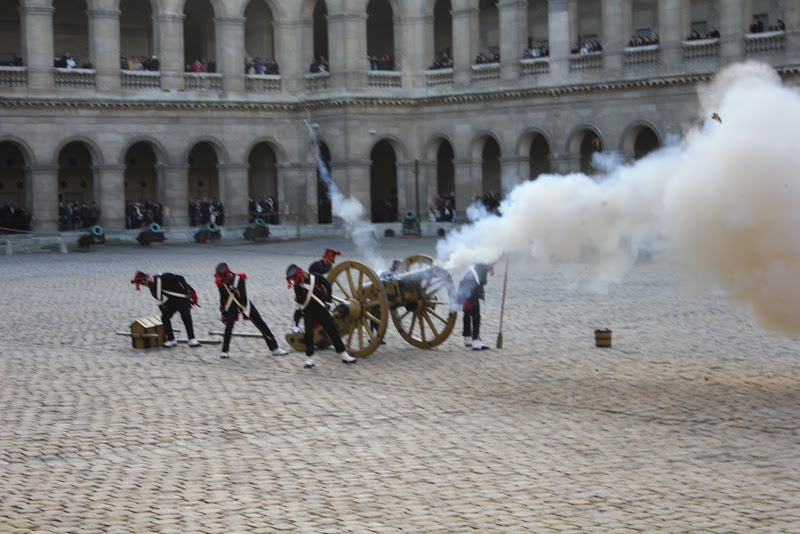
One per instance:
(511, 38)
(613, 37)
(175, 194)
(44, 186)
(558, 31)
(110, 195)
(104, 48)
(464, 185)
(732, 30)
(230, 52)
(465, 45)
(792, 22)
(348, 49)
(510, 173)
(36, 21)
(233, 191)
(670, 34)
(297, 193)
(353, 180)
(169, 27)
(289, 47)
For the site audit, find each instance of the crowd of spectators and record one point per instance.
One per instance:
(444, 62)
(318, 65)
(540, 50)
(265, 209)
(697, 36)
(757, 26)
(198, 66)
(12, 60)
(443, 208)
(68, 62)
(139, 63)
(490, 201)
(77, 215)
(380, 62)
(487, 57)
(586, 47)
(638, 40)
(257, 66)
(206, 210)
(143, 213)
(14, 218)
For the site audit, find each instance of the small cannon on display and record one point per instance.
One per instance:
(210, 232)
(411, 224)
(94, 237)
(418, 302)
(257, 231)
(153, 234)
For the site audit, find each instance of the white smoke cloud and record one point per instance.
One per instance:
(725, 201)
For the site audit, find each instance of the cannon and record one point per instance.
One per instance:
(418, 301)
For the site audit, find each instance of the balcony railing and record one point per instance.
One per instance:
(203, 81)
(264, 83)
(437, 77)
(140, 79)
(642, 57)
(701, 50)
(531, 67)
(761, 44)
(586, 62)
(485, 72)
(318, 81)
(75, 77)
(13, 76)
(384, 79)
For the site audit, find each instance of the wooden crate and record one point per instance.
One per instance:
(147, 333)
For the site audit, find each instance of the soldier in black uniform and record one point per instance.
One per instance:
(233, 301)
(471, 292)
(319, 267)
(175, 295)
(313, 293)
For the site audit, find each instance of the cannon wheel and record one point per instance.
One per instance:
(357, 286)
(430, 322)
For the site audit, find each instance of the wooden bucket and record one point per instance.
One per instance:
(602, 338)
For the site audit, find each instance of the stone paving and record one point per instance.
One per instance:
(687, 424)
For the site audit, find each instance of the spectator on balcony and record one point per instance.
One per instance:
(756, 26)
(314, 67)
(779, 27)
(153, 64)
(694, 36)
(87, 65)
(19, 63)
(444, 62)
(197, 66)
(67, 62)
(714, 33)
(272, 67)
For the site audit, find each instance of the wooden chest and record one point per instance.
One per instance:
(147, 333)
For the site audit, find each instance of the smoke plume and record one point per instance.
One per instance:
(725, 202)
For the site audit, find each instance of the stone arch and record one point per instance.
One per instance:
(488, 26)
(536, 146)
(383, 179)
(381, 45)
(11, 30)
(25, 148)
(280, 153)
(259, 30)
(397, 145)
(431, 146)
(275, 6)
(537, 24)
(219, 148)
(71, 32)
(136, 29)
(162, 155)
(632, 136)
(442, 29)
(15, 187)
(644, 18)
(582, 143)
(589, 23)
(204, 177)
(479, 139)
(76, 183)
(319, 23)
(199, 31)
(94, 150)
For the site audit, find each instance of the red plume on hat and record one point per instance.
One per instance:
(140, 278)
(294, 274)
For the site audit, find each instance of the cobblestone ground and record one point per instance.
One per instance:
(687, 424)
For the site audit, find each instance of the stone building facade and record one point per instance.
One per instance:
(393, 132)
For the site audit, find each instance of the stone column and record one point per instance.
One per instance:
(670, 34)
(169, 27)
(36, 21)
(297, 193)
(406, 188)
(289, 47)
(230, 52)
(732, 29)
(353, 180)
(465, 43)
(464, 186)
(44, 185)
(613, 37)
(347, 43)
(104, 47)
(792, 22)
(510, 173)
(110, 195)
(414, 49)
(512, 40)
(175, 196)
(233, 191)
(558, 31)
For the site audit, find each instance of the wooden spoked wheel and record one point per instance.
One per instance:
(360, 303)
(425, 313)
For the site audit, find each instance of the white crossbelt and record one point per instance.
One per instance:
(310, 294)
(232, 299)
(475, 274)
(160, 292)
